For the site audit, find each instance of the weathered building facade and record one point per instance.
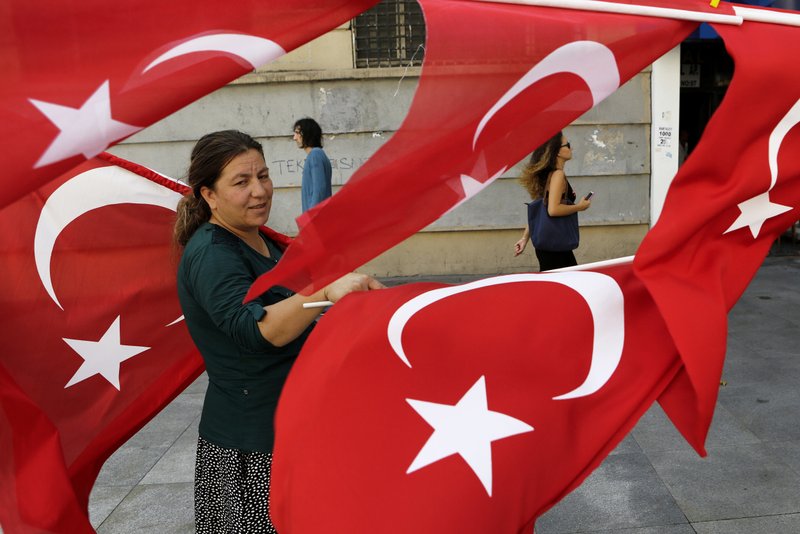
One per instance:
(360, 108)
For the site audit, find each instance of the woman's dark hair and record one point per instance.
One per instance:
(542, 163)
(311, 132)
(209, 156)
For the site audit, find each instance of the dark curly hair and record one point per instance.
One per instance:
(311, 132)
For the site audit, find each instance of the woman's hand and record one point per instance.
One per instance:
(519, 246)
(287, 319)
(583, 204)
(350, 283)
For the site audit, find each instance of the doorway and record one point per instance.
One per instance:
(706, 73)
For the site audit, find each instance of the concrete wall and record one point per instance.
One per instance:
(359, 109)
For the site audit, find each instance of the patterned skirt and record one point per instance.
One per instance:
(231, 491)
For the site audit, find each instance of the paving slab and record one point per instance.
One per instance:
(656, 433)
(746, 365)
(177, 464)
(134, 459)
(103, 500)
(740, 481)
(153, 508)
(782, 524)
(627, 446)
(770, 410)
(683, 528)
(788, 452)
(624, 492)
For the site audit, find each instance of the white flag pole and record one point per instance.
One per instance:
(629, 9)
(768, 15)
(317, 304)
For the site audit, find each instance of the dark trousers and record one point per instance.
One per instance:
(555, 259)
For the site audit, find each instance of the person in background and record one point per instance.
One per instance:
(316, 184)
(683, 146)
(544, 177)
(248, 348)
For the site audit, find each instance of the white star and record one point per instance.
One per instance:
(467, 429)
(755, 212)
(88, 130)
(102, 357)
(470, 187)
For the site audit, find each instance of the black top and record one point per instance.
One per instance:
(569, 195)
(246, 372)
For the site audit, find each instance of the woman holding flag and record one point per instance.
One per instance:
(248, 348)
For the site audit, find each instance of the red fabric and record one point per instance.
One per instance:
(417, 175)
(694, 269)
(115, 260)
(346, 434)
(110, 259)
(62, 55)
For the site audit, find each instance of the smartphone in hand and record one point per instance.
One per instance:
(587, 197)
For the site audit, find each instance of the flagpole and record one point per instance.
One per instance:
(767, 15)
(625, 260)
(629, 9)
(317, 304)
(586, 266)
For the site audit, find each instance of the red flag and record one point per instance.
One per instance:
(737, 192)
(77, 77)
(482, 104)
(96, 343)
(464, 408)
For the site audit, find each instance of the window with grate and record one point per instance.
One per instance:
(391, 34)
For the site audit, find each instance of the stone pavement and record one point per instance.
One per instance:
(653, 483)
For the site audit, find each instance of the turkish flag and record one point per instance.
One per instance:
(497, 81)
(464, 408)
(80, 76)
(736, 193)
(95, 344)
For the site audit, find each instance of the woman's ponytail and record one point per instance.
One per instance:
(192, 213)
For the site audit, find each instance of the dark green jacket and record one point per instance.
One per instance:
(246, 373)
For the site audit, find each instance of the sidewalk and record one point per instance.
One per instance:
(653, 483)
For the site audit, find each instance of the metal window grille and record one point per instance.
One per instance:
(391, 34)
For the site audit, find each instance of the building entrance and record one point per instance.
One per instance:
(706, 73)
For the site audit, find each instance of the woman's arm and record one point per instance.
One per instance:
(558, 186)
(287, 319)
(519, 246)
(219, 280)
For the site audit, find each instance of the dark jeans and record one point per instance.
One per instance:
(555, 259)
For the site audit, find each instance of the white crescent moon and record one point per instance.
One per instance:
(95, 188)
(601, 292)
(776, 139)
(256, 51)
(592, 61)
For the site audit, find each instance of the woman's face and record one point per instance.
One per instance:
(565, 152)
(242, 196)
